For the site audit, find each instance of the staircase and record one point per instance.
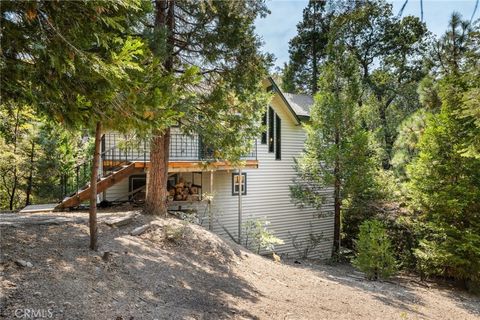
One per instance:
(103, 184)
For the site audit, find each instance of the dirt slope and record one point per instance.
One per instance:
(177, 271)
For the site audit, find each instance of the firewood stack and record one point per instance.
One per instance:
(184, 191)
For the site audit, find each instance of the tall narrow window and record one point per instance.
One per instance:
(264, 132)
(239, 182)
(278, 137)
(271, 123)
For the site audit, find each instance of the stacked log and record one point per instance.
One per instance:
(184, 191)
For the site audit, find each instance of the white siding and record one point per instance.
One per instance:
(118, 192)
(268, 196)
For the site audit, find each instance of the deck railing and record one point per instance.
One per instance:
(182, 148)
(118, 151)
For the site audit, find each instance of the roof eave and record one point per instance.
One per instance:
(298, 119)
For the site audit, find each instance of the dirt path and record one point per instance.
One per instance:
(177, 271)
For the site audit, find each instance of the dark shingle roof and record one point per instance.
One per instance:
(300, 103)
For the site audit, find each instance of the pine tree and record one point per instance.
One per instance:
(72, 61)
(307, 49)
(214, 40)
(374, 251)
(337, 149)
(444, 181)
(388, 49)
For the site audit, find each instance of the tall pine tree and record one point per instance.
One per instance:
(444, 180)
(337, 151)
(216, 41)
(307, 49)
(73, 62)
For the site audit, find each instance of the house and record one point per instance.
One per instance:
(262, 193)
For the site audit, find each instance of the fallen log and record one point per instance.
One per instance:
(121, 221)
(138, 231)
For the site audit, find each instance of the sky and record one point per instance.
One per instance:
(281, 25)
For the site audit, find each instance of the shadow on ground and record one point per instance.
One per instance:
(141, 279)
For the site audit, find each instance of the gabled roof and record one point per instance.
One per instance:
(298, 104)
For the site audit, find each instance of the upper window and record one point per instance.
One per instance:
(264, 124)
(278, 137)
(238, 181)
(271, 130)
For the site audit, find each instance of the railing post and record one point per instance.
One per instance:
(113, 150)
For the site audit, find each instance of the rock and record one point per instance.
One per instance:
(67, 304)
(106, 255)
(23, 263)
(37, 293)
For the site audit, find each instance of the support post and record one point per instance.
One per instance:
(210, 218)
(240, 191)
(147, 177)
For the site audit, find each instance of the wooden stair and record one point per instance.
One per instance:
(102, 184)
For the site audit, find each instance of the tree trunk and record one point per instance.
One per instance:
(93, 189)
(336, 224)
(156, 199)
(386, 163)
(30, 175)
(314, 54)
(337, 202)
(14, 188)
(15, 171)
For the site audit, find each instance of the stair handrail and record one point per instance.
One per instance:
(82, 176)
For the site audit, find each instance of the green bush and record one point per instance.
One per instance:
(374, 251)
(258, 237)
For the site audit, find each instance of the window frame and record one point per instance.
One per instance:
(244, 183)
(278, 137)
(271, 130)
(264, 132)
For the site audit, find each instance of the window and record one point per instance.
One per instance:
(237, 181)
(271, 122)
(278, 136)
(264, 124)
(135, 183)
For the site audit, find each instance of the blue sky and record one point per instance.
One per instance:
(281, 25)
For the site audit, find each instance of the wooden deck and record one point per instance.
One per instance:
(196, 166)
(133, 167)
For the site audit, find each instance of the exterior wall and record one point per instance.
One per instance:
(268, 196)
(118, 192)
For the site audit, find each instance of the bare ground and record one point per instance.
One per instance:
(178, 271)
